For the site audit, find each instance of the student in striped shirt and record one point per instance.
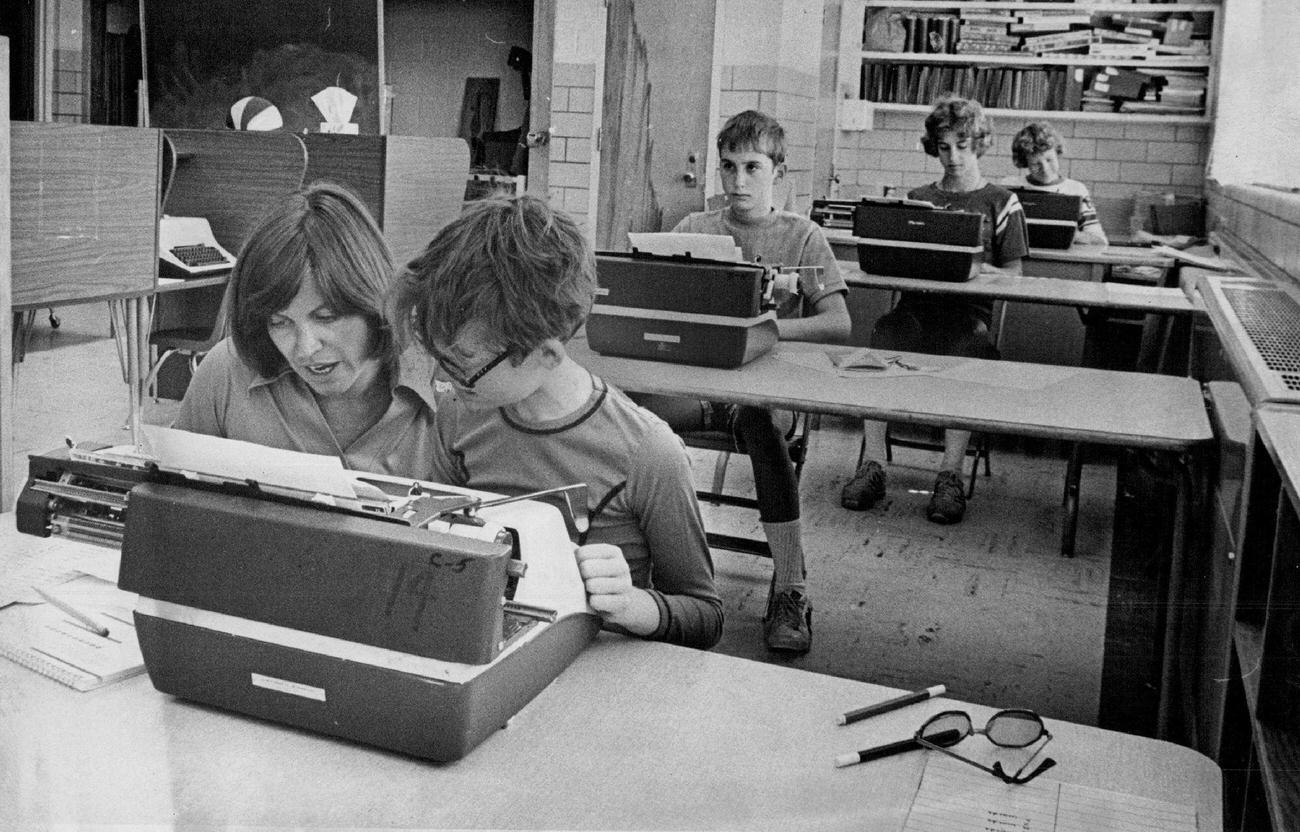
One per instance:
(958, 133)
(1037, 149)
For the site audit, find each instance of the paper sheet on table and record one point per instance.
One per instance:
(53, 560)
(826, 363)
(954, 797)
(1007, 375)
(1217, 264)
(700, 246)
(231, 459)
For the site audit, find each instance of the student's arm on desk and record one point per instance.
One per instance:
(608, 582)
(1011, 268)
(1091, 236)
(661, 494)
(829, 323)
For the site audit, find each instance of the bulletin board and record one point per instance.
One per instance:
(200, 58)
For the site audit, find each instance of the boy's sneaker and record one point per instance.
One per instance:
(787, 624)
(948, 502)
(866, 488)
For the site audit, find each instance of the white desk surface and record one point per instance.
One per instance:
(633, 735)
(1054, 291)
(1070, 403)
(1112, 255)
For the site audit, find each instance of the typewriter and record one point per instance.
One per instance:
(836, 214)
(911, 238)
(406, 615)
(187, 249)
(1051, 218)
(684, 309)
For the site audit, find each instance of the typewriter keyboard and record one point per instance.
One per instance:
(514, 624)
(198, 255)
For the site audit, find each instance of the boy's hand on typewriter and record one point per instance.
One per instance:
(608, 582)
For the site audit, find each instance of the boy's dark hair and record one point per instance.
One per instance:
(1034, 138)
(752, 130)
(515, 266)
(960, 115)
(325, 233)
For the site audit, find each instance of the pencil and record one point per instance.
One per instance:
(85, 618)
(891, 704)
(866, 755)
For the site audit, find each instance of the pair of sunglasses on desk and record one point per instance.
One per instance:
(1012, 728)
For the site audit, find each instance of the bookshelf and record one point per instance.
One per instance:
(1079, 59)
(1260, 752)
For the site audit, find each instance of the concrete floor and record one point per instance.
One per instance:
(987, 607)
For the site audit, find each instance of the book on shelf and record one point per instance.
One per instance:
(1119, 36)
(969, 29)
(1193, 49)
(1060, 40)
(1178, 32)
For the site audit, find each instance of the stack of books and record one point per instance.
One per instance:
(986, 32)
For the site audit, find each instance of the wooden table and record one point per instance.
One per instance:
(1078, 405)
(1073, 263)
(633, 735)
(1052, 291)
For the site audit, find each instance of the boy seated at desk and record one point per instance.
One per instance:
(1037, 149)
(751, 161)
(958, 133)
(494, 298)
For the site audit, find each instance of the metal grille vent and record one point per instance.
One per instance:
(1271, 319)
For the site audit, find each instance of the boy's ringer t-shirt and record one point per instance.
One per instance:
(616, 448)
(1072, 187)
(780, 239)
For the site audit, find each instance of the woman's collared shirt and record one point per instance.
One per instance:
(230, 399)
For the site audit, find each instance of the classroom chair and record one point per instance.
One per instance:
(924, 438)
(905, 436)
(721, 441)
(797, 438)
(191, 341)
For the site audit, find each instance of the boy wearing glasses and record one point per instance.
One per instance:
(494, 298)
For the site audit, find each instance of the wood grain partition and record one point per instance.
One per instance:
(230, 177)
(414, 185)
(354, 161)
(424, 189)
(84, 207)
(7, 485)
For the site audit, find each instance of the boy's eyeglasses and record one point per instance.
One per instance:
(1012, 728)
(467, 382)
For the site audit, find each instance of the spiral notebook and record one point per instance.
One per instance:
(55, 644)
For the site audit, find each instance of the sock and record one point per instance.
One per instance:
(786, 542)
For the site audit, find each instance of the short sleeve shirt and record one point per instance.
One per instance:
(228, 398)
(1002, 231)
(780, 239)
(1072, 187)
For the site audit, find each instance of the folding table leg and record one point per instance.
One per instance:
(1070, 509)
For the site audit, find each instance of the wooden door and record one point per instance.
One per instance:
(655, 116)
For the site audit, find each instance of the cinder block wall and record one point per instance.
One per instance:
(1115, 160)
(1262, 223)
(789, 96)
(573, 92)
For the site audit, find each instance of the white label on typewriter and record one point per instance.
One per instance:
(658, 336)
(285, 686)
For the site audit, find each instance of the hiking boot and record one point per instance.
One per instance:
(948, 502)
(787, 625)
(866, 488)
